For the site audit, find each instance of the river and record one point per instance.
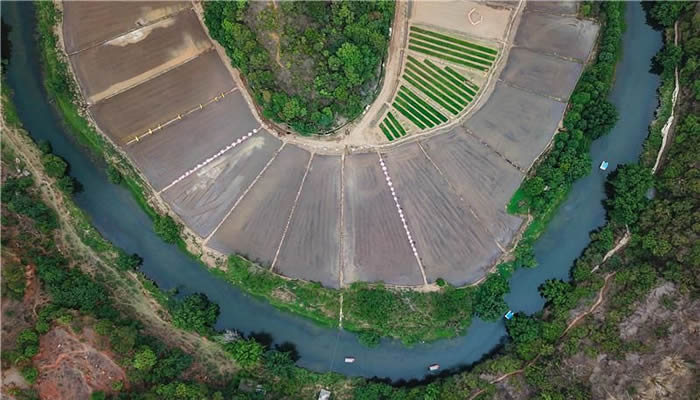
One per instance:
(118, 217)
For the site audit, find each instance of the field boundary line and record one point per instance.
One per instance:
(341, 266)
(209, 160)
(291, 212)
(532, 92)
(399, 209)
(512, 164)
(262, 171)
(151, 131)
(163, 72)
(155, 21)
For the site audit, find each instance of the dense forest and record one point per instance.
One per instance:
(310, 65)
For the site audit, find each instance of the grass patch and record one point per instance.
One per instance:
(425, 104)
(396, 123)
(467, 57)
(433, 97)
(442, 80)
(453, 46)
(449, 95)
(455, 40)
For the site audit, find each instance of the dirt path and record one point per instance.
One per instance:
(667, 126)
(620, 244)
(125, 287)
(276, 38)
(571, 325)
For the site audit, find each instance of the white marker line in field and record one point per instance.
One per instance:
(210, 159)
(385, 170)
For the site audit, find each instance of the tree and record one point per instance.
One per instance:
(128, 262)
(247, 352)
(488, 299)
(628, 188)
(54, 166)
(556, 292)
(145, 359)
(167, 228)
(279, 363)
(195, 313)
(113, 174)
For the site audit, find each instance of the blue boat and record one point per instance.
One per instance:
(509, 314)
(604, 165)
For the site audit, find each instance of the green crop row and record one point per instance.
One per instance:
(462, 83)
(453, 46)
(424, 103)
(434, 91)
(385, 131)
(447, 58)
(451, 96)
(427, 92)
(455, 40)
(460, 77)
(408, 115)
(457, 54)
(449, 84)
(420, 106)
(396, 123)
(416, 114)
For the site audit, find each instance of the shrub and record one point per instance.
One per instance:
(195, 313)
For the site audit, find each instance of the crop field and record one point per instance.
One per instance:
(311, 248)
(203, 198)
(162, 98)
(169, 153)
(451, 242)
(451, 49)
(480, 176)
(453, 16)
(375, 246)
(553, 7)
(562, 36)
(541, 74)
(392, 128)
(254, 228)
(517, 124)
(138, 56)
(87, 23)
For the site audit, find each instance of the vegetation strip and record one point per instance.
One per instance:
(433, 97)
(392, 128)
(419, 107)
(459, 77)
(385, 131)
(408, 115)
(453, 46)
(449, 84)
(427, 105)
(396, 122)
(446, 58)
(415, 111)
(461, 83)
(448, 93)
(458, 54)
(455, 40)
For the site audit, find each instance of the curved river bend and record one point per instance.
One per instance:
(118, 217)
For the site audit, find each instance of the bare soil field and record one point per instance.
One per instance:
(71, 367)
(483, 179)
(553, 7)
(203, 198)
(541, 74)
(162, 98)
(87, 23)
(254, 228)
(451, 242)
(517, 124)
(311, 247)
(490, 22)
(167, 154)
(561, 36)
(375, 246)
(139, 55)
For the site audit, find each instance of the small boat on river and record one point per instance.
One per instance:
(604, 165)
(509, 314)
(349, 360)
(434, 367)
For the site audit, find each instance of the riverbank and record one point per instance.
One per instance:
(373, 311)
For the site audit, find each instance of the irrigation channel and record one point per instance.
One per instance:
(118, 217)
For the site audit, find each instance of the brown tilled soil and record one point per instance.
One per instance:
(71, 367)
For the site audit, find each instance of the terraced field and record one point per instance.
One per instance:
(430, 207)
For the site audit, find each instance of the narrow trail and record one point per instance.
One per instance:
(571, 325)
(667, 126)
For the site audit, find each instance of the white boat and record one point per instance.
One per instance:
(509, 314)
(434, 367)
(604, 165)
(349, 360)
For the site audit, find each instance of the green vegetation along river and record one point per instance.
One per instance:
(118, 217)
